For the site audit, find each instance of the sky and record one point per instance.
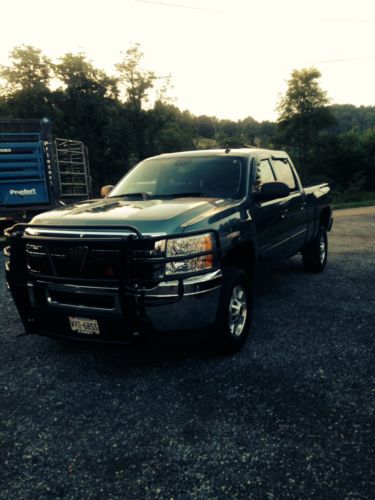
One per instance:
(226, 58)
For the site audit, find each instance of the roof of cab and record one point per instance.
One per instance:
(245, 152)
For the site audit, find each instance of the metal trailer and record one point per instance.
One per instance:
(37, 172)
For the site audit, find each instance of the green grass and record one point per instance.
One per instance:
(353, 204)
(353, 199)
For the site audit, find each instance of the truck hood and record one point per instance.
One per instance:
(167, 216)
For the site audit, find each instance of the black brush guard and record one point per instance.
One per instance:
(131, 289)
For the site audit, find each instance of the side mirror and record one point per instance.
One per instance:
(272, 191)
(105, 190)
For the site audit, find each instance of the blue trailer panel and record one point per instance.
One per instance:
(22, 170)
(24, 193)
(38, 173)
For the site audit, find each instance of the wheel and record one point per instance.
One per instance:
(235, 311)
(315, 254)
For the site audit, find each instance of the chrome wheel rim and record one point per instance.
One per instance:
(237, 311)
(322, 249)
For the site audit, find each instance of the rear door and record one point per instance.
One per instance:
(294, 206)
(269, 218)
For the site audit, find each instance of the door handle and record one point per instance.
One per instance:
(283, 209)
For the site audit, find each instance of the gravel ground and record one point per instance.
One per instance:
(291, 416)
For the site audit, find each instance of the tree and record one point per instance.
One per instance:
(303, 113)
(26, 83)
(29, 70)
(85, 93)
(78, 74)
(137, 82)
(169, 129)
(83, 107)
(206, 126)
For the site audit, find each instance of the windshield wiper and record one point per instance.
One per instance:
(146, 196)
(141, 194)
(179, 195)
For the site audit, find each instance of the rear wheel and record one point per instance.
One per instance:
(235, 310)
(315, 254)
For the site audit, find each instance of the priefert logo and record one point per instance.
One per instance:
(22, 192)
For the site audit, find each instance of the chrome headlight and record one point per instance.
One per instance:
(189, 246)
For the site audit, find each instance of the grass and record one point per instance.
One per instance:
(353, 199)
(353, 204)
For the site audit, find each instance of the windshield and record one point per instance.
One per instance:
(216, 176)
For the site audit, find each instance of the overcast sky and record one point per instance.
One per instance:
(227, 58)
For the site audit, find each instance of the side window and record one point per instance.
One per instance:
(284, 173)
(264, 174)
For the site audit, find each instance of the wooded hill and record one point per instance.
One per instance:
(127, 117)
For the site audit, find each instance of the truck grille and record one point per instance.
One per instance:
(93, 260)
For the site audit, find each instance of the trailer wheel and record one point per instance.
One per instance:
(315, 254)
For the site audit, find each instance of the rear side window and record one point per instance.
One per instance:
(284, 173)
(264, 174)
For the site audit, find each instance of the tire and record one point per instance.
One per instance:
(235, 311)
(315, 254)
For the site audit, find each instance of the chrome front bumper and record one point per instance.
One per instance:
(187, 304)
(196, 308)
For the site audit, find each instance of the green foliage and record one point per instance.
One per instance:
(30, 70)
(78, 75)
(303, 96)
(348, 117)
(83, 106)
(303, 114)
(121, 123)
(136, 82)
(25, 90)
(205, 126)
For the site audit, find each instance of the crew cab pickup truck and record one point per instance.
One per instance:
(174, 246)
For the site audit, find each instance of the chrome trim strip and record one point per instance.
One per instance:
(30, 231)
(202, 278)
(194, 280)
(299, 232)
(30, 292)
(61, 287)
(189, 294)
(284, 241)
(276, 245)
(64, 305)
(150, 293)
(188, 283)
(77, 290)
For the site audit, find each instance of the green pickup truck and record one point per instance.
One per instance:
(173, 247)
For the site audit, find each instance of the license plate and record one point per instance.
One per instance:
(84, 325)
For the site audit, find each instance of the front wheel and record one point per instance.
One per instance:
(315, 254)
(235, 310)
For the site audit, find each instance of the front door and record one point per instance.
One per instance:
(270, 219)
